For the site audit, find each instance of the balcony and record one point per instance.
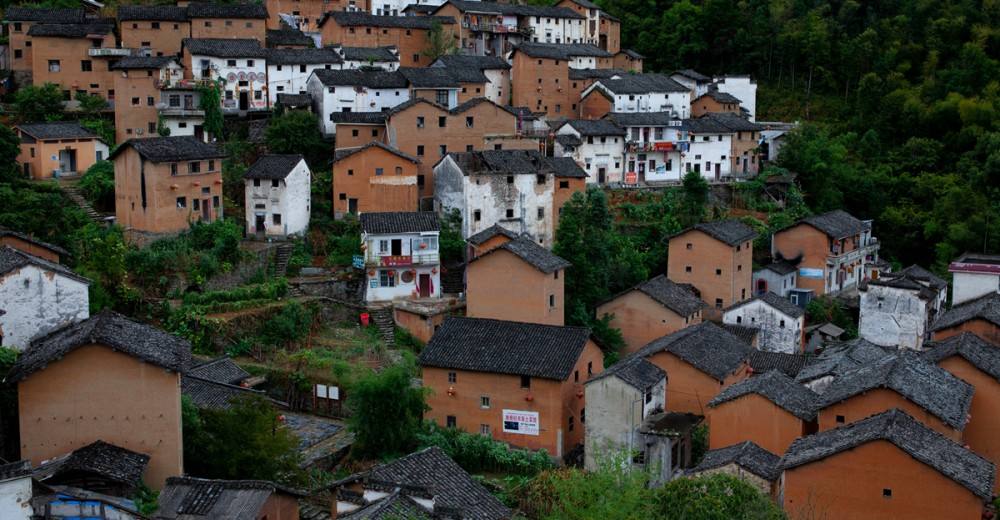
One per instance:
(652, 146)
(166, 110)
(374, 260)
(105, 52)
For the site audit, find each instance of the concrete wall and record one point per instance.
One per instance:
(778, 332)
(37, 301)
(969, 286)
(291, 199)
(893, 317)
(615, 410)
(488, 295)
(705, 258)
(642, 319)
(753, 417)
(875, 402)
(354, 177)
(79, 399)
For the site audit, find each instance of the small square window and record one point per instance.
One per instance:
(484, 429)
(484, 401)
(510, 213)
(525, 381)
(840, 419)
(689, 246)
(452, 377)
(354, 133)
(181, 202)
(541, 213)
(510, 179)
(451, 421)
(274, 183)
(887, 492)
(687, 268)
(256, 183)
(443, 150)
(718, 303)
(718, 272)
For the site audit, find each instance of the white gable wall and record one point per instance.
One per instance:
(36, 301)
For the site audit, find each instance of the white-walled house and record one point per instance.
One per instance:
(654, 144)
(496, 70)
(278, 197)
(644, 93)
(780, 324)
(37, 296)
(597, 145)
(553, 24)
(897, 309)
(778, 277)
(289, 69)
(695, 81)
(180, 111)
(974, 275)
(709, 147)
(240, 65)
(742, 88)
(354, 91)
(402, 259)
(396, 7)
(510, 188)
(385, 58)
(16, 491)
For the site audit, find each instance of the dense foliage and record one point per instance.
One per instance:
(98, 185)
(202, 251)
(479, 453)
(386, 411)
(10, 147)
(38, 103)
(297, 132)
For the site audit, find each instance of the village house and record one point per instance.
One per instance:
(897, 309)
(771, 410)
(600, 29)
(305, 15)
(973, 360)
(288, 38)
(580, 79)
(715, 102)
(354, 91)
(187, 497)
(492, 28)
(385, 58)
(98, 467)
(519, 383)
(540, 75)
(654, 142)
(905, 381)
(138, 83)
(102, 359)
(744, 142)
(980, 316)
(693, 80)
(163, 184)
(357, 129)
(409, 34)
(486, 240)
(521, 263)
(709, 148)
(630, 60)
(717, 259)
(494, 69)
(32, 246)
(830, 251)
(838, 359)
(57, 149)
(840, 473)
(288, 70)
(398, 7)
(77, 57)
(236, 20)
(570, 179)
(37, 294)
(780, 323)
(742, 88)
(16, 490)
(619, 400)
(278, 196)
(424, 317)
(513, 188)
(974, 275)
(157, 29)
(239, 64)
(401, 255)
(423, 484)
(597, 145)
(636, 93)
(179, 110)
(650, 310)
(433, 84)
(776, 277)
(745, 461)
(373, 178)
(700, 361)
(429, 131)
(18, 21)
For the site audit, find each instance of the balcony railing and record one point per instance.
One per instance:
(652, 146)
(108, 51)
(374, 260)
(168, 111)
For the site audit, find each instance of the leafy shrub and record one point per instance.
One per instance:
(270, 290)
(385, 412)
(478, 453)
(98, 184)
(287, 326)
(204, 250)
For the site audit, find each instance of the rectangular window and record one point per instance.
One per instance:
(452, 377)
(420, 121)
(525, 381)
(510, 213)
(256, 183)
(194, 167)
(211, 166)
(563, 184)
(442, 121)
(469, 122)
(420, 150)
(86, 66)
(379, 171)
(477, 215)
(442, 98)
(443, 150)
(230, 63)
(196, 204)
(276, 219)
(718, 303)
(451, 422)
(552, 301)
(840, 419)
(173, 168)
(484, 429)
(541, 213)
(386, 279)
(54, 66)
(484, 401)
(181, 202)
(590, 368)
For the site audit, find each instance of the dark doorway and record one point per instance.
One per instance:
(259, 224)
(199, 132)
(397, 247)
(244, 100)
(206, 210)
(602, 175)
(352, 206)
(718, 171)
(424, 285)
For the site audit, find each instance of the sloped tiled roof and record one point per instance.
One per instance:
(746, 455)
(4, 232)
(221, 10)
(12, 470)
(704, 125)
(225, 47)
(395, 506)
(273, 166)
(986, 307)
(566, 167)
(502, 162)
(276, 37)
(836, 224)
(56, 130)
(465, 74)
(287, 99)
(733, 122)
(731, 232)
(106, 328)
(505, 347)
(362, 19)
(99, 458)
(361, 78)
(624, 119)
(744, 333)
(704, 346)
(642, 84)
(170, 149)
(676, 297)
(916, 272)
(358, 118)
(632, 54)
(777, 388)
(490, 232)
(12, 258)
(920, 442)
(693, 74)
(978, 352)
(585, 74)
(475, 62)
(206, 393)
(841, 358)
(17, 13)
(561, 51)
(344, 153)
(782, 305)
(187, 498)
(375, 54)
(221, 369)
(595, 127)
(762, 361)
(137, 13)
(428, 77)
(781, 268)
(924, 384)
(143, 62)
(533, 254)
(399, 222)
(480, 6)
(635, 371)
(69, 30)
(721, 97)
(303, 56)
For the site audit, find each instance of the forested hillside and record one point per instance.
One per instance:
(901, 97)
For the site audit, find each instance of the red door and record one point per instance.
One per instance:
(424, 285)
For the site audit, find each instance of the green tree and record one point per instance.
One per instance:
(91, 105)
(610, 492)
(450, 241)
(694, 200)
(439, 42)
(98, 185)
(10, 148)
(713, 497)
(100, 253)
(297, 132)
(34, 103)
(386, 411)
(210, 102)
(288, 326)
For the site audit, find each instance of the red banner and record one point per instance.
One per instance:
(389, 261)
(663, 146)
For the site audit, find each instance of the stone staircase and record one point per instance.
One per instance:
(73, 193)
(382, 317)
(281, 256)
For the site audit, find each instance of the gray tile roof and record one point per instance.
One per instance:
(69, 30)
(734, 122)
(225, 47)
(561, 51)
(919, 273)
(222, 370)
(475, 62)
(981, 354)
(762, 361)
(505, 347)
(625, 119)
(303, 56)
(705, 125)
(110, 329)
(926, 385)
(12, 470)
(841, 358)
(585, 74)
(837, 223)
(721, 97)
(276, 37)
(535, 255)
(744, 333)
(399, 222)
(504, 162)
(17, 13)
(746, 455)
(632, 54)
(465, 74)
(206, 393)
(170, 149)
(56, 130)
(920, 442)
(344, 153)
(731, 232)
(12, 258)
(453, 488)
(704, 346)
(634, 371)
(361, 78)
(566, 167)
(186, 498)
(98, 458)
(231, 10)
(568, 140)
(642, 84)
(476, 101)
(362, 19)
(782, 305)
(374, 54)
(693, 74)
(395, 506)
(479, 6)
(143, 62)
(136, 13)
(777, 388)
(490, 232)
(421, 9)
(676, 297)
(4, 232)
(428, 77)
(358, 118)
(782, 268)
(595, 127)
(985, 308)
(273, 166)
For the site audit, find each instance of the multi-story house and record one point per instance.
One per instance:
(163, 184)
(745, 141)
(780, 324)
(713, 102)
(636, 93)
(978, 316)
(336, 91)
(19, 20)
(407, 33)
(397, 7)
(627, 59)
(58, 149)
(402, 258)
(512, 188)
(492, 28)
(540, 75)
(305, 15)
(433, 84)
(180, 109)
(650, 310)
(357, 129)
(288, 70)
(495, 70)
(897, 309)
(717, 259)
(373, 178)
(385, 58)
(695, 81)
(278, 198)
(600, 28)
(710, 146)
(742, 88)
(237, 20)
(974, 275)
(157, 29)
(655, 144)
(138, 84)
(597, 145)
(830, 250)
(239, 66)
(523, 386)
(77, 57)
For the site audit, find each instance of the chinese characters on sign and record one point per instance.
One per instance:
(524, 423)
